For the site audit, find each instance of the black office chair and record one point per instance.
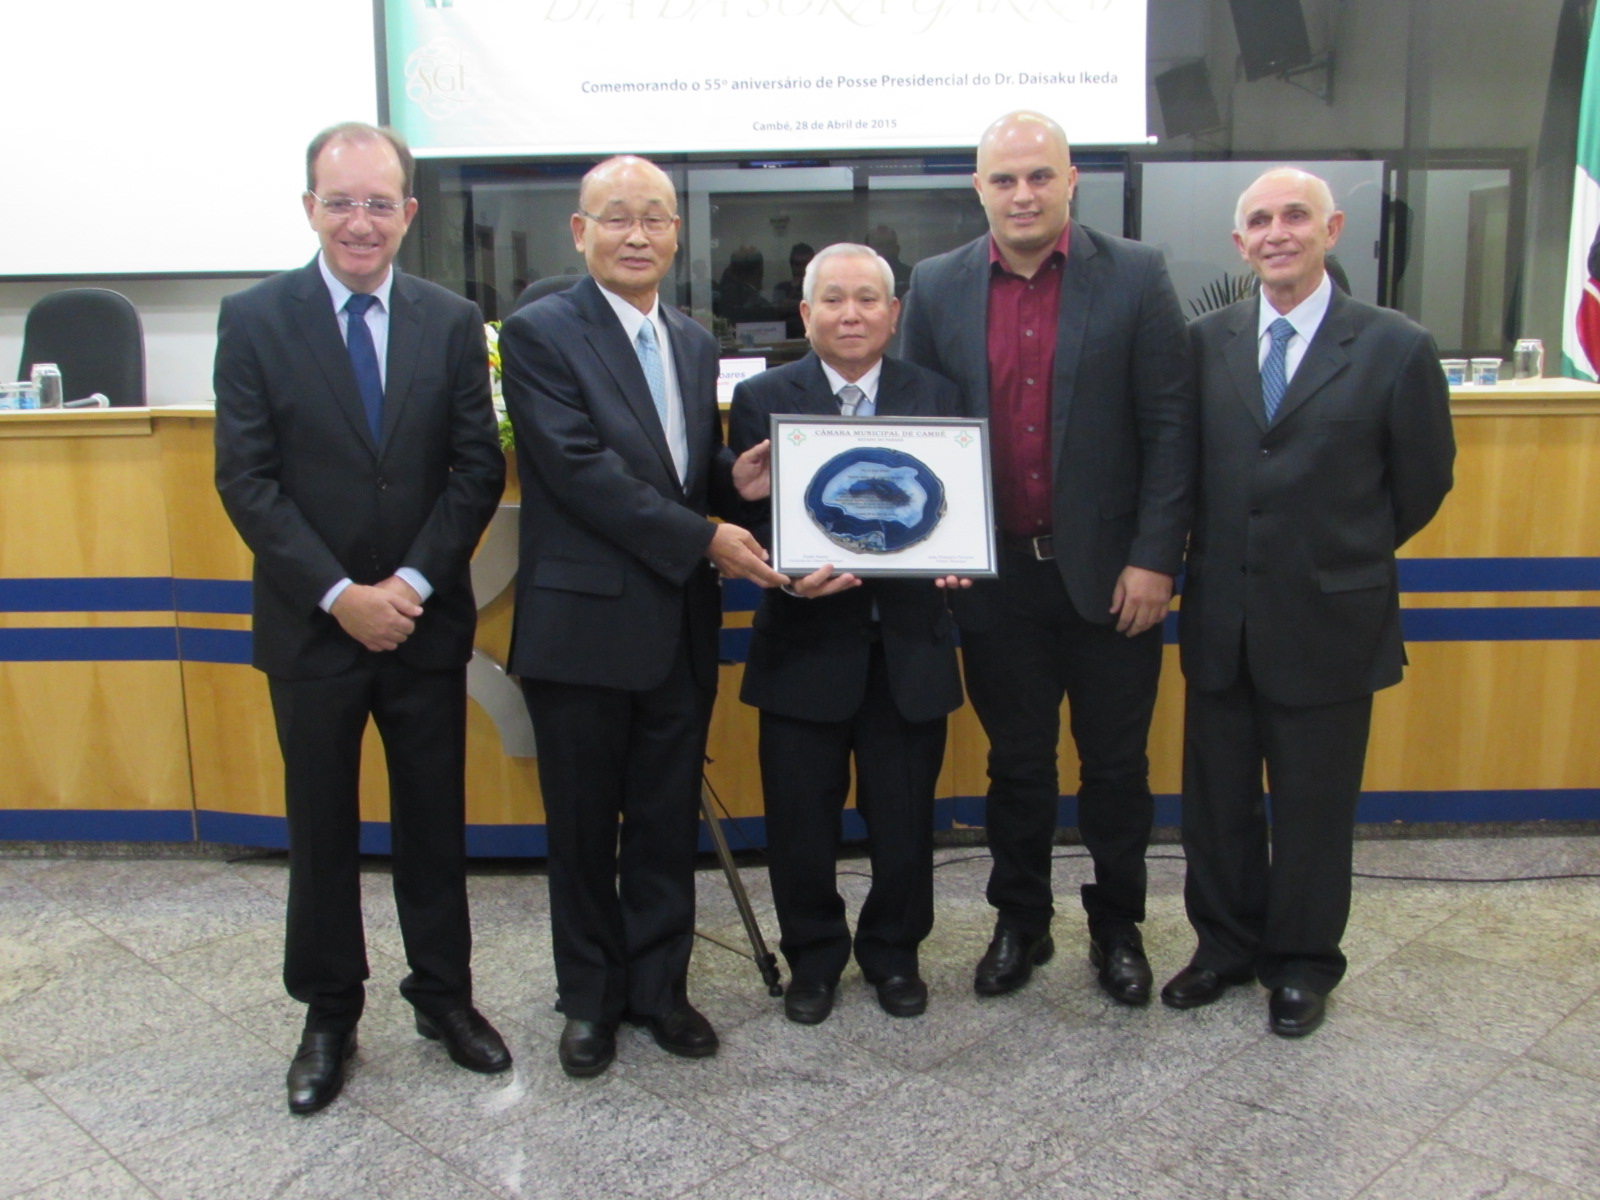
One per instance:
(94, 335)
(541, 288)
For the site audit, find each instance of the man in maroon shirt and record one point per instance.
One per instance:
(1072, 343)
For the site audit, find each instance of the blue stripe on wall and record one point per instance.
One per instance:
(95, 825)
(214, 645)
(115, 594)
(1500, 624)
(122, 644)
(1500, 574)
(212, 595)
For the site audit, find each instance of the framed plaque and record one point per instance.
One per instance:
(882, 496)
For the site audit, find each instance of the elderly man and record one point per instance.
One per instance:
(840, 667)
(619, 449)
(1072, 344)
(356, 455)
(1325, 444)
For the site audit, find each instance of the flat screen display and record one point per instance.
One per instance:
(472, 78)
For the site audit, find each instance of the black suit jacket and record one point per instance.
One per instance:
(317, 500)
(1122, 420)
(808, 658)
(612, 545)
(1292, 555)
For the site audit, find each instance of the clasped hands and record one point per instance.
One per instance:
(380, 616)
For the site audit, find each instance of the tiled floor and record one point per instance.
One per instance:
(144, 1037)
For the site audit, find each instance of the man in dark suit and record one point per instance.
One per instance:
(357, 456)
(1325, 444)
(1072, 344)
(619, 449)
(839, 665)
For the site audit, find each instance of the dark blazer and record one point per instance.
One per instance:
(317, 500)
(1296, 527)
(1123, 418)
(808, 658)
(612, 545)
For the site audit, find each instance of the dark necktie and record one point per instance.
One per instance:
(364, 358)
(1274, 371)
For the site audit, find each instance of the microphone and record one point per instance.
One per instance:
(95, 400)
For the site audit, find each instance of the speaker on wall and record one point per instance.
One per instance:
(1272, 36)
(1187, 105)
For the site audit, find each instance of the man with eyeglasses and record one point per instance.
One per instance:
(619, 449)
(356, 454)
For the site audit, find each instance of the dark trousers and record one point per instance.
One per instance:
(1270, 899)
(805, 778)
(422, 719)
(621, 910)
(1017, 672)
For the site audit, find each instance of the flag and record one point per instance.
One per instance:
(1580, 350)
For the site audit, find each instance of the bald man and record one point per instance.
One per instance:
(1072, 344)
(620, 453)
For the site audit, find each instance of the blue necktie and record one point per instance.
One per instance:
(853, 402)
(364, 358)
(1274, 371)
(650, 360)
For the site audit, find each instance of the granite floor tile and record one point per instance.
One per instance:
(512, 968)
(1432, 1169)
(41, 1143)
(424, 1095)
(1102, 1172)
(882, 1150)
(1359, 1067)
(428, 1179)
(1404, 910)
(43, 947)
(1497, 1006)
(1573, 1045)
(165, 1087)
(771, 1079)
(108, 1181)
(613, 1140)
(231, 973)
(765, 1176)
(1096, 1074)
(268, 871)
(260, 1151)
(1536, 1118)
(97, 999)
(1365, 948)
(1545, 941)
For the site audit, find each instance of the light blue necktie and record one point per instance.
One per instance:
(650, 360)
(1274, 371)
(853, 402)
(364, 360)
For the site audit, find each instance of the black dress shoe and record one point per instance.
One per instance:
(1124, 970)
(587, 1047)
(808, 1003)
(317, 1073)
(469, 1040)
(1009, 962)
(683, 1031)
(902, 995)
(1194, 986)
(1295, 1012)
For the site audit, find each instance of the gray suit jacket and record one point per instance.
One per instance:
(808, 658)
(316, 499)
(612, 545)
(1292, 556)
(1123, 418)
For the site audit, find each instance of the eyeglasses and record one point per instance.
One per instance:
(377, 207)
(654, 224)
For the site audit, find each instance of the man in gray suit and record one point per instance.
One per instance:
(356, 455)
(1325, 444)
(1072, 344)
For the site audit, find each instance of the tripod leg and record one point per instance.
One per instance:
(766, 961)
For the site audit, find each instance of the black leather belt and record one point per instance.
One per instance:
(1041, 548)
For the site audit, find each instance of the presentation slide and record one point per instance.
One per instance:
(170, 138)
(519, 77)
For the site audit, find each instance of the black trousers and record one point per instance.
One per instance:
(805, 780)
(1273, 899)
(422, 719)
(1017, 672)
(621, 909)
